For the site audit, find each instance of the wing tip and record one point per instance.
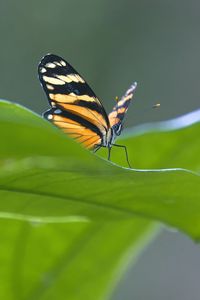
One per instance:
(49, 57)
(131, 88)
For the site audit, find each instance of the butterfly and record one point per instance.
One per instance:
(76, 109)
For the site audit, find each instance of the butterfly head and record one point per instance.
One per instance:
(117, 129)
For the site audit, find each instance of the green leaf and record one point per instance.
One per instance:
(66, 260)
(167, 144)
(54, 188)
(56, 178)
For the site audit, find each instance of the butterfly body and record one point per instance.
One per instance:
(76, 109)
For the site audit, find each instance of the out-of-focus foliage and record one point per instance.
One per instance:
(152, 42)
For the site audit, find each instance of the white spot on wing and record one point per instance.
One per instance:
(73, 77)
(50, 117)
(50, 65)
(80, 79)
(43, 70)
(50, 87)
(57, 63)
(63, 63)
(64, 78)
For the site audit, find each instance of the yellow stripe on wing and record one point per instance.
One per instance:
(53, 80)
(70, 98)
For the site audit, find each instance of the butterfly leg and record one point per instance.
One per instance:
(97, 148)
(126, 152)
(109, 152)
(100, 146)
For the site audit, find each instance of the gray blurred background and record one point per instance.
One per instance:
(113, 43)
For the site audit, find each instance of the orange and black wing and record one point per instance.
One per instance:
(75, 107)
(119, 110)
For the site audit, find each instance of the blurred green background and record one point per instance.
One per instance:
(113, 43)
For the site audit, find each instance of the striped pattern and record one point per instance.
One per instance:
(119, 110)
(74, 106)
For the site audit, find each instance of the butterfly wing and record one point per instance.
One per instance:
(75, 107)
(119, 110)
